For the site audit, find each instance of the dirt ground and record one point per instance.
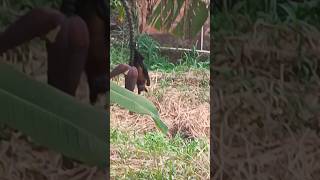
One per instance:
(265, 109)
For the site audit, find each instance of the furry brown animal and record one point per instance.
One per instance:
(76, 41)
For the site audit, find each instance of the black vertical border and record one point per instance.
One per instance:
(107, 57)
(211, 92)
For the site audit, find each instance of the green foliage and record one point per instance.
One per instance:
(115, 3)
(173, 158)
(118, 7)
(118, 55)
(150, 50)
(241, 15)
(52, 118)
(165, 15)
(193, 59)
(135, 103)
(308, 11)
(156, 143)
(148, 47)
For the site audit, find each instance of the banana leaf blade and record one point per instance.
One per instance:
(135, 103)
(52, 118)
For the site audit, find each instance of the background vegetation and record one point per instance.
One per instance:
(265, 81)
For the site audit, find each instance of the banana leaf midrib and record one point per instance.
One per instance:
(52, 114)
(58, 102)
(135, 104)
(52, 118)
(133, 99)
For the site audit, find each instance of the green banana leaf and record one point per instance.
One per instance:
(52, 118)
(135, 103)
(165, 16)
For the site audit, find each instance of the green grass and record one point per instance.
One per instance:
(169, 158)
(148, 47)
(239, 16)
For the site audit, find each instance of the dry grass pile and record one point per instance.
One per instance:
(181, 99)
(266, 104)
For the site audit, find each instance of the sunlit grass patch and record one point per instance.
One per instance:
(152, 155)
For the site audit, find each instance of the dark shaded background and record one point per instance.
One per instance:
(265, 90)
